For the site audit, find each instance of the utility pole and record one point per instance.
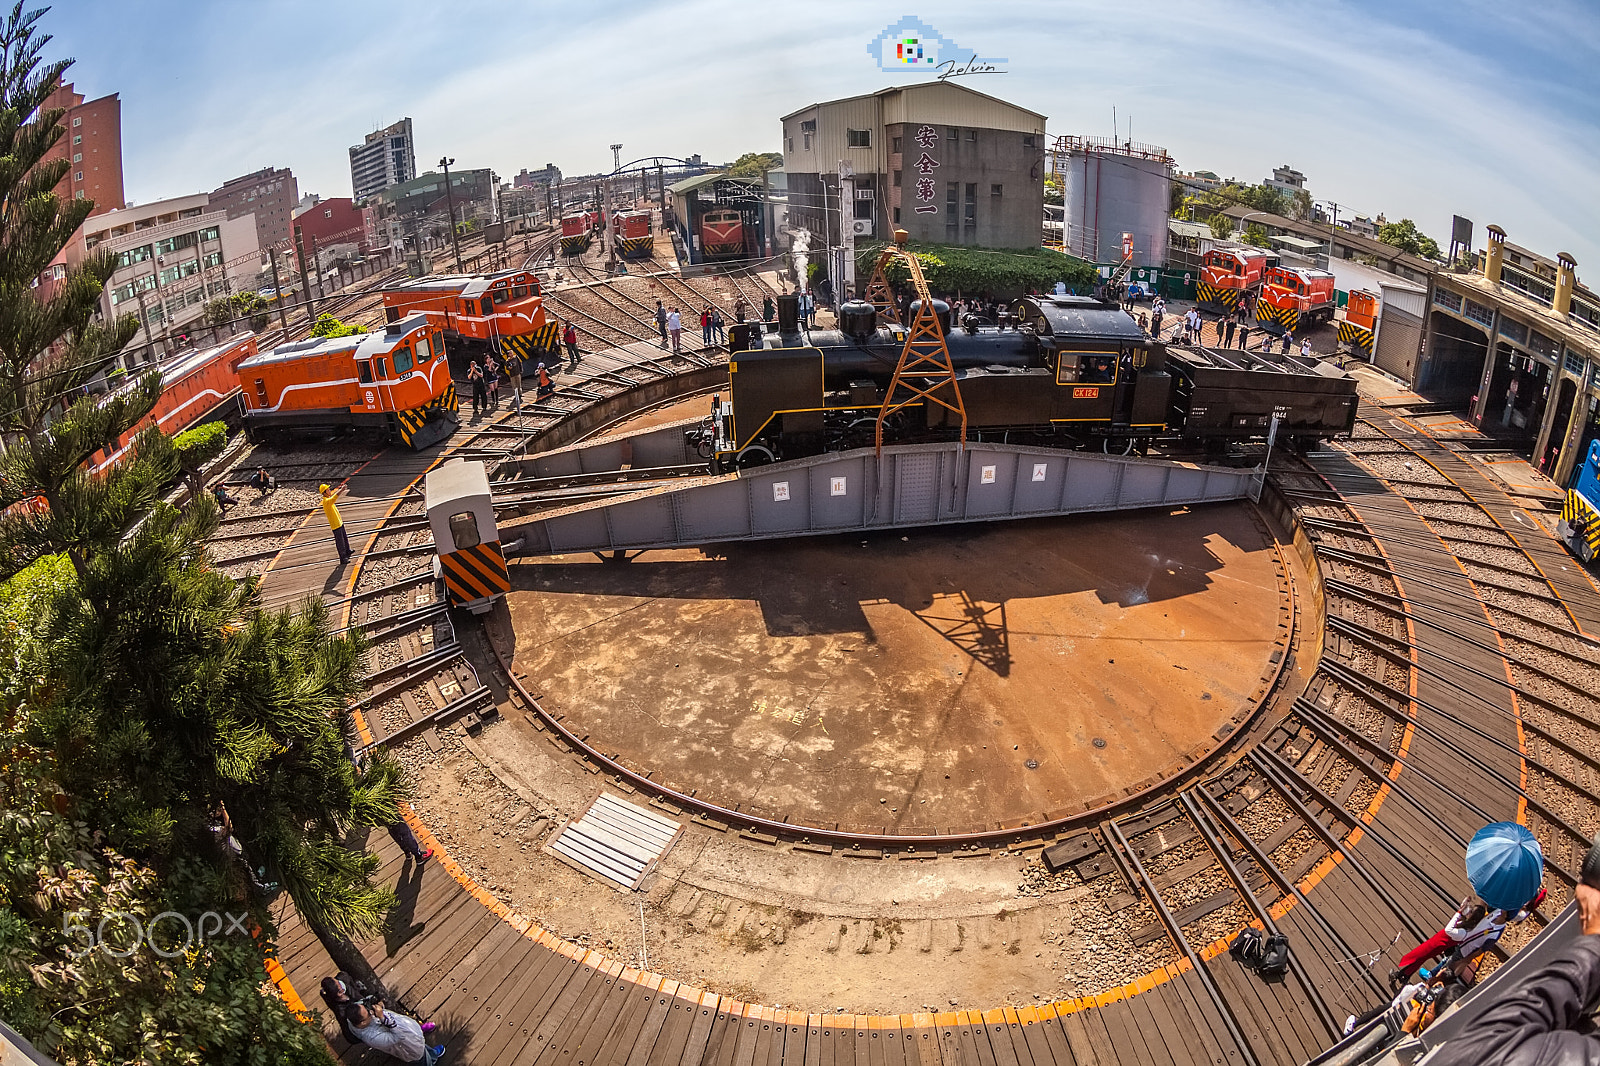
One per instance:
(305, 283)
(450, 199)
(616, 158)
(144, 322)
(283, 319)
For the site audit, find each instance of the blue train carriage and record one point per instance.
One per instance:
(469, 558)
(1579, 527)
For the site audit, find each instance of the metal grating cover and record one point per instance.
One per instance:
(615, 840)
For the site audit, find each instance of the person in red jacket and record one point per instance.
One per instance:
(569, 337)
(1545, 1021)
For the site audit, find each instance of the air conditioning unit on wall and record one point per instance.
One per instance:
(861, 227)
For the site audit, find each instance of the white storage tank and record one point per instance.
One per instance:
(1113, 189)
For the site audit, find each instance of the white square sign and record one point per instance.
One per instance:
(1038, 471)
(987, 476)
(837, 487)
(780, 491)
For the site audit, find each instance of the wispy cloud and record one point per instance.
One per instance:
(1417, 110)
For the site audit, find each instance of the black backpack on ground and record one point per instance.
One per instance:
(1267, 954)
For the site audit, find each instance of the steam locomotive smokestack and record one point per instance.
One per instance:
(789, 313)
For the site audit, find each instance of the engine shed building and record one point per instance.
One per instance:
(1521, 337)
(948, 164)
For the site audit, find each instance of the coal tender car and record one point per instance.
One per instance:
(1075, 373)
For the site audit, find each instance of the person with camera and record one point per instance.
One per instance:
(394, 1034)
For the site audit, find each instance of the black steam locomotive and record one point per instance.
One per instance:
(1073, 372)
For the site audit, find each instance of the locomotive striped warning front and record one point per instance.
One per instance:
(1582, 524)
(475, 573)
(1207, 293)
(536, 346)
(443, 406)
(1356, 336)
(1287, 317)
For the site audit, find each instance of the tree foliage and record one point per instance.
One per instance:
(1237, 194)
(754, 165)
(152, 697)
(240, 307)
(1405, 236)
(328, 326)
(1256, 235)
(1221, 226)
(968, 271)
(198, 446)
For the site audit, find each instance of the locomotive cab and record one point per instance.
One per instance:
(1110, 378)
(468, 559)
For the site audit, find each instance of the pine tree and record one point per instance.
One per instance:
(172, 702)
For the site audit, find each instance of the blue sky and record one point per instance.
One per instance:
(1417, 109)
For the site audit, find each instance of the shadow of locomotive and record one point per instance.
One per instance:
(956, 580)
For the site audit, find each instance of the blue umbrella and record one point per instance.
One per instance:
(1505, 865)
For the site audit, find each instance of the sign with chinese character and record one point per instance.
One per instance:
(780, 491)
(986, 477)
(836, 488)
(1039, 471)
(926, 138)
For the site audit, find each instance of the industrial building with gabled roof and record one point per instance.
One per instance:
(948, 164)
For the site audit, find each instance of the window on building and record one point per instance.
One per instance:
(791, 144)
(996, 190)
(897, 179)
(807, 145)
(971, 213)
(972, 135)
(864, 206)
(897, 144)
(209, 233)
(77, 138)
(858, 138)
(133, 255)
(78, 195)
(897, 216)
(78, 176)
(214, 259)
(1027, 140)
(77, 157)
(77, 122)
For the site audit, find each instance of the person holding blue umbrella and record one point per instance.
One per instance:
(1506, 868)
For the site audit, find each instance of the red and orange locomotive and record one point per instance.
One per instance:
(194, 385)
(503, 311)
(722, 233)
(633, 238)
(397, 378)
(1295, 296)
(1229, 275)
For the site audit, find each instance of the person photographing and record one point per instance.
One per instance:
(396, 1035)
(1545, 1021)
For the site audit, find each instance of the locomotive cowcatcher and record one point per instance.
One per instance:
(397, 378)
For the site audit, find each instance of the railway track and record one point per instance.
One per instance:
(1452, 689)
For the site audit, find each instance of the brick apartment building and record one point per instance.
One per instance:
(93, 145)
(270, 194)
(331, 224)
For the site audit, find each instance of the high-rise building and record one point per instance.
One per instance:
(533, 179)
(93, 145)
(269, 193)
(387, 157)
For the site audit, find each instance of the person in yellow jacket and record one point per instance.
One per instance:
(330, 507)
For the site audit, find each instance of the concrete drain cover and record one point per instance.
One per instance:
(616, 841)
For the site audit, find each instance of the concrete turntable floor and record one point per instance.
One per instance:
(953, 678)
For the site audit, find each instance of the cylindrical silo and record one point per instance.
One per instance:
(1112, 189)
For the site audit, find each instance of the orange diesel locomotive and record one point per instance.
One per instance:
(503, 311)
(633, 238)
(1295, 296)
(722, 234)
(194, 386)
(575, 232)
(1228, 275)
(397, 378)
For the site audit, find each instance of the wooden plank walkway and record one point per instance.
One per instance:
(504, 991)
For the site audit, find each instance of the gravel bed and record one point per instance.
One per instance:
(1220, 924)
(378, 573)
(1532, 605)
(1577, 809)
(1173, 857)
(1362, 797)
(1516, 582)
(1547, 754)
(1291, 851)
(1556, 695)
(1397, 468)
(1264, 815)
(1482, 553)
(1112, 958)
(1424, 494)
(1460, 513)
(1333, 776)
(1559, 638)
(1573, 670)
(239, 549)
(270, 520)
